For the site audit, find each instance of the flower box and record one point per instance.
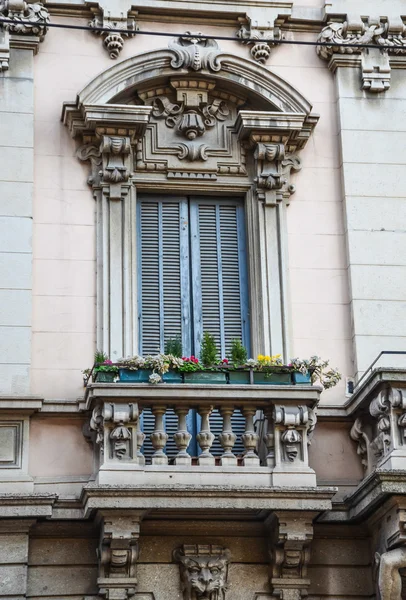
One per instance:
(239, 377)
(269, 378)
(208, 377)
(105, 376)
(132, 376)
(301, 379)
(172, 377)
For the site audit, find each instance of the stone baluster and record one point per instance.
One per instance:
(250, 438)
(269, 439)
(140, 437)
(205, 437)
(159, 437)
(182, 438)
(227, 439)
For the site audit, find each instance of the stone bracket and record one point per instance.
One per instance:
(291, 534)
(117, 432)
(113, 19)
(375, 62)
(118, 553)
(203, 571)
(263, 35)
(27, 20)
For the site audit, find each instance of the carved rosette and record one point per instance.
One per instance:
(113, 41)
(116, 428)
(375, 65)
(203, 571)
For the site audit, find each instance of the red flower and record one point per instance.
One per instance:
(225, 361)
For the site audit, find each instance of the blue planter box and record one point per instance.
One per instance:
(302, 379)
(172, 377)
(269, 378)
(239, 377)
(209, 377)
(140, 376)
(105, 377)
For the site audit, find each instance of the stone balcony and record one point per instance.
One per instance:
(277, 426)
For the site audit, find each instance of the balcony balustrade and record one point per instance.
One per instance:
(208, 434)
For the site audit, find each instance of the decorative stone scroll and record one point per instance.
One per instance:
(375, 63)
(27, 19)
(381, 434)
(194, 51)
(203, 571)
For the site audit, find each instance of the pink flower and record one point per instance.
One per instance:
(108, 362)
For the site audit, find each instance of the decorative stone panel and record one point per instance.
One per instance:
(11, 444)
(203, 571)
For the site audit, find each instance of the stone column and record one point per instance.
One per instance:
(18, 44)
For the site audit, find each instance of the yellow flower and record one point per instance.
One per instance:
(260, 357)
(276, 356)
(267, 358)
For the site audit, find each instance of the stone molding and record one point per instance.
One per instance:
(375, 63)
(28, 19)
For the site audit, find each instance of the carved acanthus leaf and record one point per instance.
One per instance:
(194, 51)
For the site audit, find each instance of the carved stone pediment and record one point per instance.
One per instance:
(192, 130)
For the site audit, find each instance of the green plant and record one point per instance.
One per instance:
(238, 352)
(100, 357)
(208, 351)
(173, 346)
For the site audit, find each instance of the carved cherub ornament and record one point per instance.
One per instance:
(203, 571)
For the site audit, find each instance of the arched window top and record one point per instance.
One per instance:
(264, 89)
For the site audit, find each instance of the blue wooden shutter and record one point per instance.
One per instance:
(164, 302)
(219, 272)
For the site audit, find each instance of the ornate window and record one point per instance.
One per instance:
(191, 153)
(192, 272)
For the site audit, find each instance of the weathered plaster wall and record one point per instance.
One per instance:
(64, 221)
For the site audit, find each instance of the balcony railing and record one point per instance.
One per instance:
(141, 429)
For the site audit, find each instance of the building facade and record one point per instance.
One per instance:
(168, 168)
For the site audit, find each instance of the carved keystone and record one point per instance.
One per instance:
(203, 571)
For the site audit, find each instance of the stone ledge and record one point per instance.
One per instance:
(23, 506)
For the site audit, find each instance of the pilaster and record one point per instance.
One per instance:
(108, 135)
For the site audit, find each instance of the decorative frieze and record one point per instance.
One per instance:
(375, 62)
(203, 571)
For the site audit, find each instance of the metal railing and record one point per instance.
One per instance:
(371, 366)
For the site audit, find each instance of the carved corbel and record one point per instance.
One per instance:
(291, 422)
(289, 551)
(374, 62)
(273, 172)
(27, 19)
(113, 41)
(118, 553)
(261, 39)
(116, 427)
(194, 51)
(203, 571)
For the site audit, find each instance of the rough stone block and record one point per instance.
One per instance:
(61, 581)
(14, 379)
(13, 549)
(62, 551)
(389, 115)
(374, 282)
(13, 580)
(377, 317)
(377, 248)
(17, 95)
(373, 180)
(376, 147)
(375, 214)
